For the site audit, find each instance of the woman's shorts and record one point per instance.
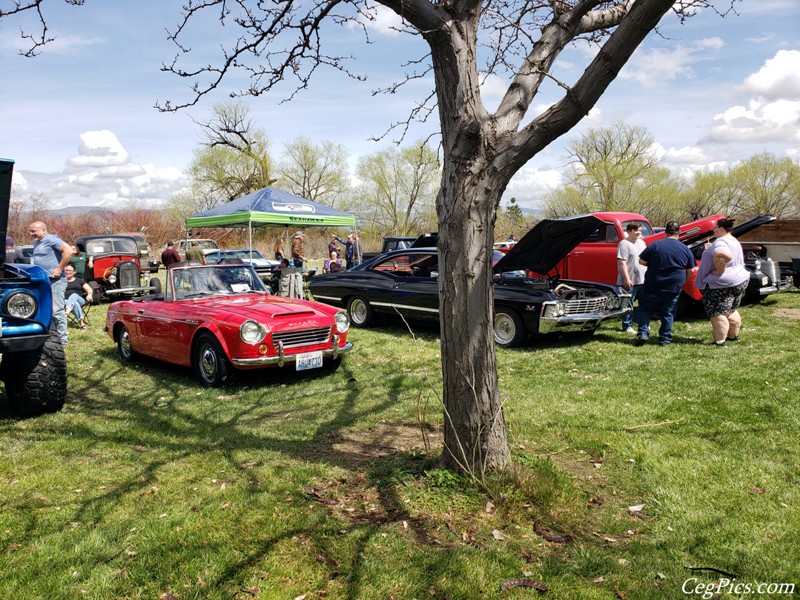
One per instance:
(723, 301)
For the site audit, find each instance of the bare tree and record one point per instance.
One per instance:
(234, 158)
(482, 150)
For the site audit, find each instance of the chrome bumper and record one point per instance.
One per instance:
(774, 289)
(583, 322)
(282, 358)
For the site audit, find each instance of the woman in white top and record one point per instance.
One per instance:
(723, 279)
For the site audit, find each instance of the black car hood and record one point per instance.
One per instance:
(737, 231)
(541, 249)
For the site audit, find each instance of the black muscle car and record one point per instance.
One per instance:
(406, 281)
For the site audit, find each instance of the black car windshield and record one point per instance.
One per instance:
(213, 280)
(111, 245)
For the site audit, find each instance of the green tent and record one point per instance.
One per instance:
(271, 207)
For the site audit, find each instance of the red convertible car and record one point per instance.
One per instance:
(218, 319)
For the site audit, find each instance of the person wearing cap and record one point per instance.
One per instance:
(669, 262)
(13, 254)
(297, 250)
(170, 256)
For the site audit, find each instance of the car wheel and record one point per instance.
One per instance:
(124, 348)
(360, 312)
(211, 366)
(36, 380)
(509, 330)
(155, 284)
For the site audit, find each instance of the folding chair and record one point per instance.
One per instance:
(86, 310)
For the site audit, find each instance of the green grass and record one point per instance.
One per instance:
(327, 485)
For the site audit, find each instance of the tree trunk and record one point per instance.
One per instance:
(474, 431)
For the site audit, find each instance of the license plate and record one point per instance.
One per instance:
(308, 360)
(765, 280)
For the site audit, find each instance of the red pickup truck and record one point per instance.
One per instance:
(595, 259)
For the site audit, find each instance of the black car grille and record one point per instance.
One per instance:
(303, 337)
(586, 305)
(128, 274)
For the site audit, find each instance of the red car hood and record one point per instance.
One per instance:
(263, 307)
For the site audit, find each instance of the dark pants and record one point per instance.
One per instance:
(656, 304)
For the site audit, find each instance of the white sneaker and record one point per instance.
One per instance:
(629, 330)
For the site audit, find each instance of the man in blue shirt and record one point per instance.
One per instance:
(52, 254)
(669, 262)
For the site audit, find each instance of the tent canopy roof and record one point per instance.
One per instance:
(270, 206)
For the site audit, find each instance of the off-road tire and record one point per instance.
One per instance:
(36, 381)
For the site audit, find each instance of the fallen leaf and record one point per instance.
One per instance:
(489, 507)
(610, 539)
(661, 576)
(524, 583)
(600, 579)
(636, 508)
(167, 596)
(757, 490)
(498, 535)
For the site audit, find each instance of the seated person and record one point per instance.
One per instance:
(75, 301)
(333, 264)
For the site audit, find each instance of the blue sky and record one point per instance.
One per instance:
(79, 120)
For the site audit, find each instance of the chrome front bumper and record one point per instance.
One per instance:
(582, 322)
(282, 358)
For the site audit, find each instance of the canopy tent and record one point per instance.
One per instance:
(269, 206)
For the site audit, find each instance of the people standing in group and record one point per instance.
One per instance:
(13, 254)
(352, 250)
(74, 295)
(195, 253)
(297, 250)
(669, 262)
(52, 254)
(170, 256)
(723, 278)
(630, 274)
(81, 261)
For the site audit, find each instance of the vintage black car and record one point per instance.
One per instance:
(405, 282)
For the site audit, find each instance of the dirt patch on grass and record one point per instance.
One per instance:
(386, 439)
(792, 313)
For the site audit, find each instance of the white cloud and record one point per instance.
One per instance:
(530, 184)
(712, 43)
(758, 122)
(379, 19)
(103, 174)
(99, 149)
(655, 67)
(778, 78)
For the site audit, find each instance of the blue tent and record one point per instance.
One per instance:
(270, 206)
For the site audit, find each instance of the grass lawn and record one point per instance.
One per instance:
(327, 486)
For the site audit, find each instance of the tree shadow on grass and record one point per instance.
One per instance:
(156, 423)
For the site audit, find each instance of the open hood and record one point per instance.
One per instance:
(541, 249)
(738, 230)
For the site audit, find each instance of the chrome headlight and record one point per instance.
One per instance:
(112, 278)
(252, 332)
(21, 304)
(342, 321)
